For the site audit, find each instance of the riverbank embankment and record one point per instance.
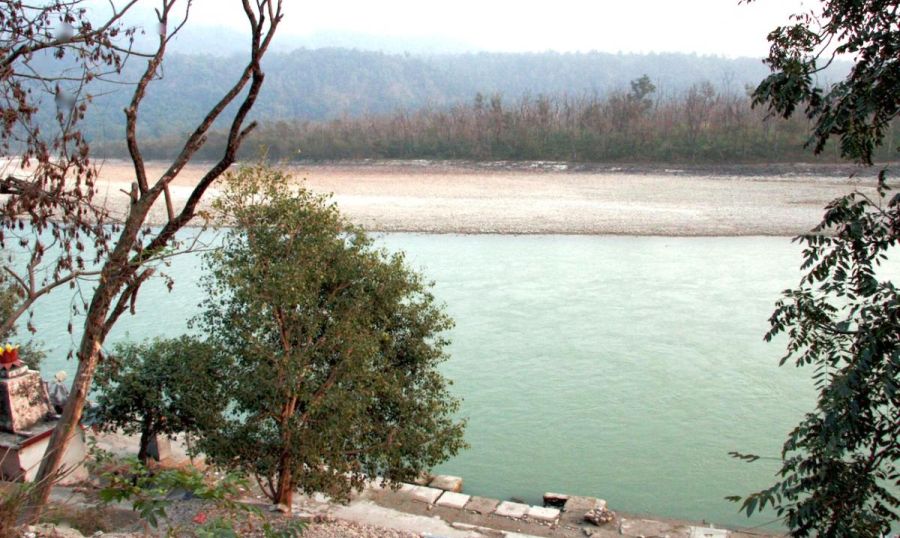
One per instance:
(438, 506)
(548, 198)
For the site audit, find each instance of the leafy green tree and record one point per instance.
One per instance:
(160, 387)
(641, 88)
(335, 347)
(839, 473)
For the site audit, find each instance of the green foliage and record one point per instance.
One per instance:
(839, 473)
(160, 387)
(334, 347)
(859, 109)
(641, 88)
(150, 492)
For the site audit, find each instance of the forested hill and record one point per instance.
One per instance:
(330, 83)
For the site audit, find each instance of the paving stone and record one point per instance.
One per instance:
(511, 509)
(540, 513)
(708, 532)
(447, 483)
(452, 499)
(482, 505)
(426, 494)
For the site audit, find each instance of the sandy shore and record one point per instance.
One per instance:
(547, 198)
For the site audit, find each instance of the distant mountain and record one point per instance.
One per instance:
(327, 83)
(223, 42)
(218, 41)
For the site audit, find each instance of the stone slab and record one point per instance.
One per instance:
(555, 499)
(511, 509)
(482, 505)
(447, 483)
(708, 532)
(539, 513)
(425, 494)
(451, 499)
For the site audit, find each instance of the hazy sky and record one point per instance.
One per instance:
(721, 27)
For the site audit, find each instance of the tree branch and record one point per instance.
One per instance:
(236, 136)
(27, 49)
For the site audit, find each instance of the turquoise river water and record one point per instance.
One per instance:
(620, 367)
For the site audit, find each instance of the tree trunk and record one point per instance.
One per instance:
(285, 493)
(146, 437)
(119, 276)
(285, 485)
(65, 429)
(112, 280)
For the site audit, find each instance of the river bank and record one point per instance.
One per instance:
(548, 198)
(438, 506)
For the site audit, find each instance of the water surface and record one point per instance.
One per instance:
(620, 367)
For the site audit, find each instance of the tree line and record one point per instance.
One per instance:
(702, 125)
(330, 83)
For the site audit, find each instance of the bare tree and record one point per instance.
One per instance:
(124, 268)
(49, 55)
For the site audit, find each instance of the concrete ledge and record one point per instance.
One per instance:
(511, 509)
(451, 499)
(482, 505)
(539, 513)
(425, 494)
(708, 532)
(447, 483)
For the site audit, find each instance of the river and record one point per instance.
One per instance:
(612, 366)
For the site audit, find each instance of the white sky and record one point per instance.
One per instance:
(720, 27)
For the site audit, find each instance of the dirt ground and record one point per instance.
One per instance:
(550, 198)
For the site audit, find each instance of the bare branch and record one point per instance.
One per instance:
(31, 48)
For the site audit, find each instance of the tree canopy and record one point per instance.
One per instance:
(334, 348)
(161, 387)
(839, 474)
(857, 109)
